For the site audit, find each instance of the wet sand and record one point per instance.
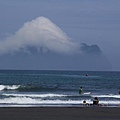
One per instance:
(60, 113)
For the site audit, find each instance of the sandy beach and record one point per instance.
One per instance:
(60, 113)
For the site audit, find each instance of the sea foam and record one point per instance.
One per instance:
(9, 87)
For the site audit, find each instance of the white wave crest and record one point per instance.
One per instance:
(27, 100)
(9, 87)
(108, 96)
(35, 95)
(33, 101)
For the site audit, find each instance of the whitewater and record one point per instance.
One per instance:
(57, 88)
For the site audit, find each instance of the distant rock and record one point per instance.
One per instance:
(92, 49)
(93, 58)
(88, 60)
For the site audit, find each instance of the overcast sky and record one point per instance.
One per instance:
(84, 21)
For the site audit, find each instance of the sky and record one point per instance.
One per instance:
(84, 21)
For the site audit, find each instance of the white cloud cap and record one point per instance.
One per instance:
(39, 33)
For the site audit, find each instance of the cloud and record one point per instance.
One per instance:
(41, 34)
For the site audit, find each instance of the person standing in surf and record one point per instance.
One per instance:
(95, 101)
(81, 90)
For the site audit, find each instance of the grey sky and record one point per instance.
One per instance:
(88, 21)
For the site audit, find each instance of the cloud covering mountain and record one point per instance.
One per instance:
(40, 33)
(40, 44)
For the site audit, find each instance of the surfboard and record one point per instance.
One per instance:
(86, 93)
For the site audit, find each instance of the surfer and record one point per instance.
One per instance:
(81, 90)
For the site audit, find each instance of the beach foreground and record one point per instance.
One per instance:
(60, 113)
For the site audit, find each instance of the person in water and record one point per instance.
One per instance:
(95, 101)
(85, 103)
(81, 90)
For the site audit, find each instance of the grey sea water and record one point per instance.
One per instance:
(58, 88)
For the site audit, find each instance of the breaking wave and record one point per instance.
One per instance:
(9, 87)
(107, 96)
(39, 101)
(30, 88)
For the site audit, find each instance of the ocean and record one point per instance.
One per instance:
(33, 88)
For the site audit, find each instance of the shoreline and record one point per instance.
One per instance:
(2, 105)
(60, 113)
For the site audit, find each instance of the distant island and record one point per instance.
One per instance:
(40, 44)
